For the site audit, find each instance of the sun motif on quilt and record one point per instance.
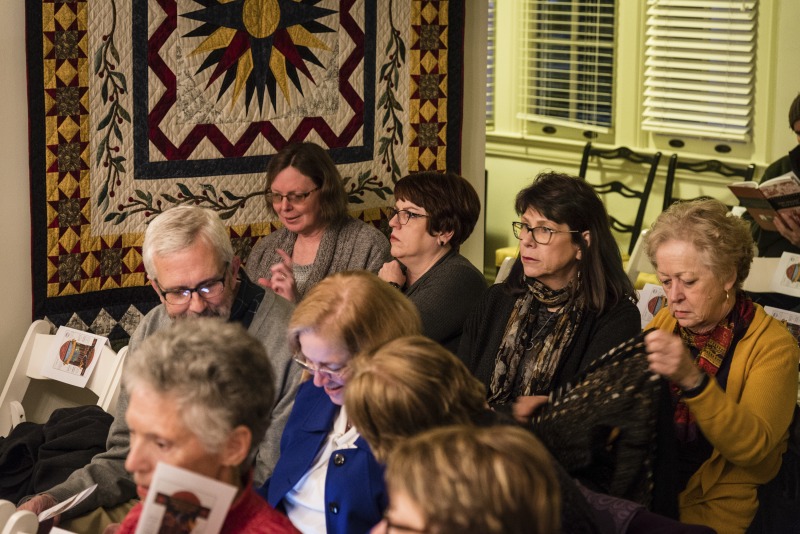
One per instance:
(258, 45)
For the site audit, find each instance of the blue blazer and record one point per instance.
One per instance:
(355, 494)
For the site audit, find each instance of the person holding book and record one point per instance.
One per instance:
(732, 368)
(772, 244)
(194, 404)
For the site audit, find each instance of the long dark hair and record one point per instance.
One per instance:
(565, 199)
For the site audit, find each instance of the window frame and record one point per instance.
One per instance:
(509, 137)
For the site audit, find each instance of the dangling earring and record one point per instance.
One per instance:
(727, 296)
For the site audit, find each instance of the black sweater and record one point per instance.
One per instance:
(597, 334)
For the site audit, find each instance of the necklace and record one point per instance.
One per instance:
(534, 336)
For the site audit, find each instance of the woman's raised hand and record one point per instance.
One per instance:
(281, 280)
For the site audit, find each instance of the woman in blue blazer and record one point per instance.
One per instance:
(327, 479)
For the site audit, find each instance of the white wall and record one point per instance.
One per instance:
(474, 127)
(15, 262)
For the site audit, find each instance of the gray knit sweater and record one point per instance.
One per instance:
(348, 246)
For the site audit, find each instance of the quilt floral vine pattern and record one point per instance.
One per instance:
(140, 106)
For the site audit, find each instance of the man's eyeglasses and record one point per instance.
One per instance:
(293, 197)
(540, 234)
(336, 374)
(206, 290)
(403, 216)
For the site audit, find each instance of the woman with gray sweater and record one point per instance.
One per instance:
(318, 238)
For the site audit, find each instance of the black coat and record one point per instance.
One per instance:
(484, 328)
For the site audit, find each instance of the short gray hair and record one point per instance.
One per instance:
(219, 375)
(181, 227)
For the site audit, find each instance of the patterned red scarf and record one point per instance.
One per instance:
(712, 349)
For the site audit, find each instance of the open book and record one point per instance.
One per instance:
(780, 195)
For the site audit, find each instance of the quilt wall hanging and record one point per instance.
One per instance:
(139, 105)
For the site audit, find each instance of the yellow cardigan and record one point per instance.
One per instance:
(747, 424)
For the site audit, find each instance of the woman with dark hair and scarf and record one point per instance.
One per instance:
(566, 301)
(731, 367)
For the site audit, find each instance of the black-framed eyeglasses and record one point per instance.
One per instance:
(293, 197)
(336, 374)
(207, 290)
(540, 234)
(403, 216)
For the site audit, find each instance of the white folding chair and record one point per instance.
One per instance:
(638, 261)
(7, 509)
(46, 395)
(762, 271)
(504, 270)
(21, 522)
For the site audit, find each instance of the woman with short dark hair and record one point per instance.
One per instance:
(434, 214)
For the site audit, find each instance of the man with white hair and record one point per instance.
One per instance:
(190, 262)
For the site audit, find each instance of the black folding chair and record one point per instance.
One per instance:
(648, 165)
(743, 174)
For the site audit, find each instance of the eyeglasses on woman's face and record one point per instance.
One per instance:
(335, 374)
(403, 216)
(541, 234)
(294, 197)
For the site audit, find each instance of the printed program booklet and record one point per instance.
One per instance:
(73, 356)
(651, 300)
(179, 500)
(780, 195)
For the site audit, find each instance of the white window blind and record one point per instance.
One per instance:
(699, 70)
(568, 63)
(490, 67)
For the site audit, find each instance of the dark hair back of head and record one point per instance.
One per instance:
(568, 200)
(450, 200)
(794, 111)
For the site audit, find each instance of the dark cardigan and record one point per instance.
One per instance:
(597, 334)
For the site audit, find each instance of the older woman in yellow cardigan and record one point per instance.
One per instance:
(731, 367)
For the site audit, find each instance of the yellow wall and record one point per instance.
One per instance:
(513, 162)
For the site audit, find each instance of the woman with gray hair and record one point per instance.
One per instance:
(731, 367)
(195, 404)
